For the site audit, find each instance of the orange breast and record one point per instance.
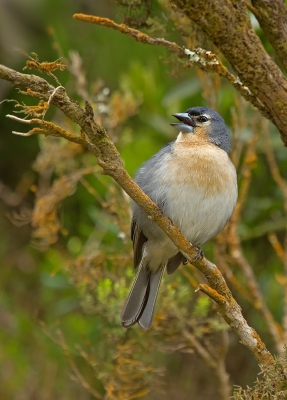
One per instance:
(201, 165)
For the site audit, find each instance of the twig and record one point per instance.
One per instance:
(200, 349)
(48, 129)
(213, 294)
(134, 33)
(273, 239)
(223, 265)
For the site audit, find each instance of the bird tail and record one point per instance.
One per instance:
(140, 304)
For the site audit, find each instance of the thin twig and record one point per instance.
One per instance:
(48, 129)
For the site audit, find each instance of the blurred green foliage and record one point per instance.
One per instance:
(62, 291)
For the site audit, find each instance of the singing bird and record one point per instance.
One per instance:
(193, 181)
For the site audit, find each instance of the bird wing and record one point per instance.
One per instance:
(139, 240)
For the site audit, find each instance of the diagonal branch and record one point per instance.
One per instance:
(109, 159)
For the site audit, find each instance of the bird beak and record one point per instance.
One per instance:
(187, 123)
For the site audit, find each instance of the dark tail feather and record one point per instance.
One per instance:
(137, 297)
(146, 317)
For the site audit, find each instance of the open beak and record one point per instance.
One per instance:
(186, 125)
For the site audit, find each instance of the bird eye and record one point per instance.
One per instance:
(202, 118)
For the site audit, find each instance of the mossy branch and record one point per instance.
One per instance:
(95, 138)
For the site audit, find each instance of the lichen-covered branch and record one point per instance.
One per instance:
(272, 17)
(134, 33)
(227, 24)
(109, 159)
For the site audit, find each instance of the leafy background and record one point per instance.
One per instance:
(64, 279)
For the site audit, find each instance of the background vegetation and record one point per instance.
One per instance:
(65, 248)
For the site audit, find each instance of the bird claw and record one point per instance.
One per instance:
(199, 255)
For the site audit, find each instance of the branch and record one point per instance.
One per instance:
(202, 58)
(48, 129)
(272, 17)
(226, 23)
(134, 33)
(109, 159)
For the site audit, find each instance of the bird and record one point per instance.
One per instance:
(193, 181)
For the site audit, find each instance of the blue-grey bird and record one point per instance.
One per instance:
(193, 181)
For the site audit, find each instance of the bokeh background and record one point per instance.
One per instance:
(64, 277)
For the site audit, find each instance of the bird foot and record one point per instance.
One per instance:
(199, 255)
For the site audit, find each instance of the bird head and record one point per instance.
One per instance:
(204, 123)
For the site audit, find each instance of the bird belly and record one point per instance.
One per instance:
(202, 192)
(199, 216)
